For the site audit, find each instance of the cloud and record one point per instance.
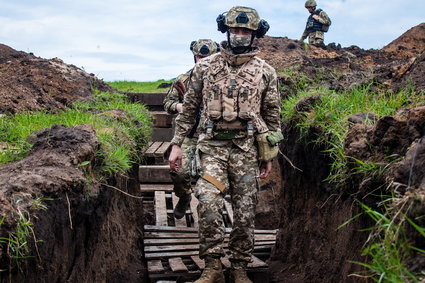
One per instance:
(148, 40)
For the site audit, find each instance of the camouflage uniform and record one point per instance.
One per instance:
(316, 37)
(229, 160)
(181, 179)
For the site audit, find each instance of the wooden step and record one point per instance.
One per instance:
(149, 99)
(161, 119)
(146, 188)
(154, 152)
(154, 174)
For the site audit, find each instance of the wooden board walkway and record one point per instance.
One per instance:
(171, 246)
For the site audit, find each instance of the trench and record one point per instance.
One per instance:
(110, 237)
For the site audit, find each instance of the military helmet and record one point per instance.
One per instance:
(242, 17)
(204, 47)
(310, 3)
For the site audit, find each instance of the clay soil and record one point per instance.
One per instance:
(104, 243)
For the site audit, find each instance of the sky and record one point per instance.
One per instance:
(141, 40)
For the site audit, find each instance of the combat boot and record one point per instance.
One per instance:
(213, 273)
(238, 272)
(181, 207)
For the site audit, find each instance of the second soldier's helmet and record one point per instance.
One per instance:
(204, 47)
(310, 3)
(242, 17)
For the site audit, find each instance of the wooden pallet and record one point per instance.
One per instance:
(171, 246)
(172, 252)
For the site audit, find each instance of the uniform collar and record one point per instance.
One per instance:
(237, 59)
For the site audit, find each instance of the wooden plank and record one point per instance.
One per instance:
(155, 266)
(198, 261)
(154, 249)
(187, 247)
(256, 262)
(156, 187)
(170, 254)
(162, 119)
(150, 99)
(162, 149)
(160, 209)
(160, 241)
(193, 209)
(186, 240)
(229, 210)
(153, 228)
(152, 148)
(169, 235)
(167, 254)
(179, 222)
(154, 174)
(177, 265)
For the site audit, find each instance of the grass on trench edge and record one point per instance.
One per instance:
(120, 139)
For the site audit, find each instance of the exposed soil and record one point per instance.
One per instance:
(89, 233)
(32, 83)
(103, 242)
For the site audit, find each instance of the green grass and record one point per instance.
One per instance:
(121, 127)
(133, 86)
(387, 246)
(120, 136)
(330, 112)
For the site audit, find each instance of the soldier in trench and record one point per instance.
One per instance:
(239, 131)
(173, 103)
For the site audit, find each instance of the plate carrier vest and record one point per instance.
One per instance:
(232, 96)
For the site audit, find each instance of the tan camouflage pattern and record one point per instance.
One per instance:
(253, 18)
(233, 93)
(317, 37)
(173, 97)
(196, 48)
(266, 87)
(233, 162)
(182, 179)
(238, 171)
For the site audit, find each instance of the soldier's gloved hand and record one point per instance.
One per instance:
(175, 158)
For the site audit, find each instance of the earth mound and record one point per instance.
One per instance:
(32, 83)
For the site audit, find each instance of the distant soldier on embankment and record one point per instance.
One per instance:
(317, 24)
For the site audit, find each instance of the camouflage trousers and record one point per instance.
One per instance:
(237, 172)
(316, 38)
(181, 179)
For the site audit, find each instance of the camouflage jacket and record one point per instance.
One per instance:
(173, 96)
(195, 98)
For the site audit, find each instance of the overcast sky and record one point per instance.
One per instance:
(145, 40)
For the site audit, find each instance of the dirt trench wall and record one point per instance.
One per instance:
(309, 248)
(103, 244)
(86, 233)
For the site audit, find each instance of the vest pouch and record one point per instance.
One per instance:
(229, 106)
(266, 152)
(214, 104)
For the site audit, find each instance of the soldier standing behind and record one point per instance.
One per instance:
(241, 110)
(173, 104)
(317, 23)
